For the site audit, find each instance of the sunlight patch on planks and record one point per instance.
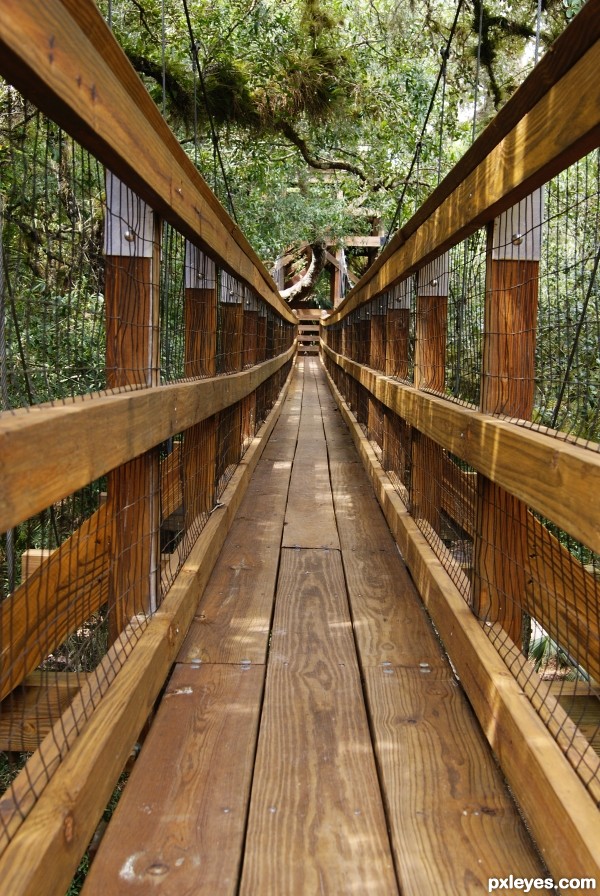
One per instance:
(316, 821)
(181, 822)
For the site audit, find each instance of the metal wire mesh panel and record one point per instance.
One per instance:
(51, 268)
(100, 300)
(172, 304)
(568, 324)
(400, 331)
(466, 298)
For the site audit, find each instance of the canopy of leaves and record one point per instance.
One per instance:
(316, 107)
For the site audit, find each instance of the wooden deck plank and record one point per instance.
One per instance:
(400, 794)
(390, 624)
(316, 821)
(452, 820)
(310, 520)
(179, 827)
(233, 619)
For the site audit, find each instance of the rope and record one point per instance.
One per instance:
(215, 139)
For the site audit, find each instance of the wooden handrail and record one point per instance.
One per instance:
(529, 142)
(62, 55)
(553, 476)
(32, 440)
(562, 814)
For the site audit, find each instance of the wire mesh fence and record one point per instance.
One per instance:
(507, 323)
(52, 265)
(99, 298)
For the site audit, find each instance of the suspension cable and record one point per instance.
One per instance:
(445, 55)
(215, 139)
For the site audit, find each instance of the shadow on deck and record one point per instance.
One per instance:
(312, 737)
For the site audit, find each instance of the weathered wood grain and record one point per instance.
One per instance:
(233, 620)
(549, 474)
(310, 520)
(30, 711)
(181, 821)
(64, 591)
(316, 821)
(559, 592)
(561, 814)
(59, 818)
(33, 466)
(453, 822)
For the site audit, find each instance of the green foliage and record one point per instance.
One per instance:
(546, 653)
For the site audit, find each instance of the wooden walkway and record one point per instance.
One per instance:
(312, 738)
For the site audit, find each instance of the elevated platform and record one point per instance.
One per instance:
(312, 737)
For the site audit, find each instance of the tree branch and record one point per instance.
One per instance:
(320, 164)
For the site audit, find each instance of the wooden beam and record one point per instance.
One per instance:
(362, 242)
(507, 388)
(63, 56)
(74, 578)
(132, 246)
(548, 568)
(551, 475)
(29, 712)
(33, 468)
(199, 441)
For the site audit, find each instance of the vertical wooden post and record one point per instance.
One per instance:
(364, 335)
(200, 314)
(199, 441)
(232, 345)
(376, 359)
(397, 341)
(345, 338)
(377, 341)
(261, 335)
(250, 336)
(430, 373)
(397, 330)
(508, 383)
(336, 283)
(250, 330)
(232, 323)
(132, 251)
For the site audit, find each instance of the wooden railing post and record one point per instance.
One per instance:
(376, 360)
(250, 337)
(397, 328)
(231, 307)
(430, 374)
(397, 336)
(508, 384)
(199, 441)
(261, 335)
(131, 247)
(377, 334)
(336, 283)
